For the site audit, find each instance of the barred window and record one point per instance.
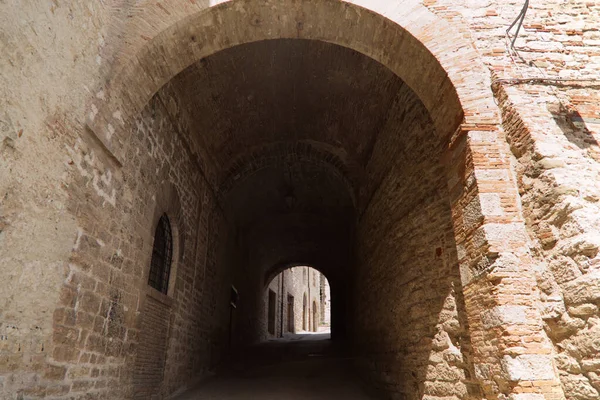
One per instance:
(162, 251)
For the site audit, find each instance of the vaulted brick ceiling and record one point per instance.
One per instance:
(290, 129)
(284, 90)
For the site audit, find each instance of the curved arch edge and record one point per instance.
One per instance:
(442, 69)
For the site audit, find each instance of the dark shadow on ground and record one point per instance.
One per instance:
(301, 366)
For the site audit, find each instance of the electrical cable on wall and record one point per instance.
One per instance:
(544, 79)
(564, 101)
(533, 80)
(519, 22)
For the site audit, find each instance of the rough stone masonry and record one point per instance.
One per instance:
(445, 182)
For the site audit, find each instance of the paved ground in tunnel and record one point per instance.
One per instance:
(297, 367)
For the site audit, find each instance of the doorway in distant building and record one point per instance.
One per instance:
(304, 316)
(271, 312)
(315, 320)
(290, 314)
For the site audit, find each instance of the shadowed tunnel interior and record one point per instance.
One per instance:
(321, 156)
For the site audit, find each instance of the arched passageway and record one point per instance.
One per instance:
(369, 149)
(323, 156)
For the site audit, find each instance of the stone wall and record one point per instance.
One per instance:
(43, 98)
(558, 194)
(548, 94)
(101, 314)
(410, 329)
(112, 255)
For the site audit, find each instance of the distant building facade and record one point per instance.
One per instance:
(293, 302)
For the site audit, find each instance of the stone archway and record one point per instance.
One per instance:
(451, 83)
(456, 88)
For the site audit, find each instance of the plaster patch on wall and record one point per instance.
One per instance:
(528, 367)
(491, 204)
(491, 174)
(504, 315)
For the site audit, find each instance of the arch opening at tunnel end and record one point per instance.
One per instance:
(297, 303)
(431, 183)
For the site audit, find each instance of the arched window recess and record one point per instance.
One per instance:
(162, 255)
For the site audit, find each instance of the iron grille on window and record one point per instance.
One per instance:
(162, 251)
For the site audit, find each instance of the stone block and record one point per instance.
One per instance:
(590, 364)
(491, 204)
(505, 233)
(89, 302)
(57, 390)
(552, 308)
(82, 385)
(504, 315)
(579, 387)
(78, 372)
(586, 244)
(527, 367)
(567, 363)
(585, 289)
(65, 354)
(583, 310)
(564, 270)
(526, 396)
(54, 372)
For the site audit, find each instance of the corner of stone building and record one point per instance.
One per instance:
(559, 203)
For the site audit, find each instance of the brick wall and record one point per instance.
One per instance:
(409, 326)
(113, 255)
(152, 349)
